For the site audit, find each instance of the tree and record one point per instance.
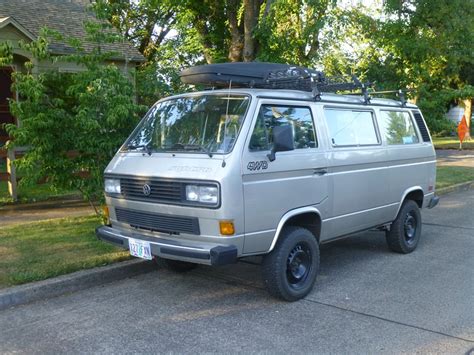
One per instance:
(72, 123)
(420, 45)
(290, 31)
(146, 23)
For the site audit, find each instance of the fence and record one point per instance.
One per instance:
(10, 175)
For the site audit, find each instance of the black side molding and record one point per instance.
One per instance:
(184, 253)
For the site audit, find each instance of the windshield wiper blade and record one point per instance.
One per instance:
(145, 147)
(192, 147)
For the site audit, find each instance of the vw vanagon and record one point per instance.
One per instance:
(269, 161)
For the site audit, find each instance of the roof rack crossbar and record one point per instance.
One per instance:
(399, 93)
(281, 76)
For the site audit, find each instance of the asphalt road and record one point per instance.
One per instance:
(366, 300)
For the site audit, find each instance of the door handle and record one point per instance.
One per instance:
(320, 171)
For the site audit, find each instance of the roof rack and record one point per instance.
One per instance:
(279, 76)
(298, 78)
(399, 93)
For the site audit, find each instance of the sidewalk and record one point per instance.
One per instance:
(32, 212)
(451, 157)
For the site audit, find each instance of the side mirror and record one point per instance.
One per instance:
(283, 140)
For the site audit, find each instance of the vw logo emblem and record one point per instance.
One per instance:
(146, 190)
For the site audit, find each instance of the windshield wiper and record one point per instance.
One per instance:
(145, 147)
(192, 147)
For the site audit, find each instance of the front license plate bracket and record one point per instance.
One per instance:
(140, 248)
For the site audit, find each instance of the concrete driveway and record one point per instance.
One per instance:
(366, 300)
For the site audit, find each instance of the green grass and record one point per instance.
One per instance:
(33, 193)
(452, 175)
(40, 250)
(451, 143)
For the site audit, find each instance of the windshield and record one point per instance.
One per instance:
(205, 123)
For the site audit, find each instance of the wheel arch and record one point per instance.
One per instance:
(307, 217)
(414, 193)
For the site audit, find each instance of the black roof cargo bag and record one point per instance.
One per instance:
(251, 74)
(264, 76)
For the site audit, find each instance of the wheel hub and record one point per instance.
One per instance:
(298, 265)
(410, 228)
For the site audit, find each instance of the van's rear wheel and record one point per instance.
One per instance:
(175, 265)
(405, 231)
(290, 270)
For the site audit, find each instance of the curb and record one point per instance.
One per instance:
(80, 280)
(464, 186)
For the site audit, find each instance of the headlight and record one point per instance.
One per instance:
(202, 193)
(112, 186)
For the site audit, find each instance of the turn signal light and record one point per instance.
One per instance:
(226, 227)
(105, 215)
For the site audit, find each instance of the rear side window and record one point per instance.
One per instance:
(269, 116)
(351, 127)
(397, 128)
(422, 126)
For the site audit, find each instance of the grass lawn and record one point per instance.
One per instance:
(451, 143)
(40, 250)
(452, 175)
(30, 193)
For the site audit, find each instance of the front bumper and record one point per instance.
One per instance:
(200, 253)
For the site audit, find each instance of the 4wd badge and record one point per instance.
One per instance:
(257, 165)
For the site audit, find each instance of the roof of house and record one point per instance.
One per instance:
(64, 16)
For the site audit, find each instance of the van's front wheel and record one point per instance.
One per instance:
(290, 270)
(405, 231)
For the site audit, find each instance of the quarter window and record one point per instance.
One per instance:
(397, 128)
(269, 116)
(351, 127)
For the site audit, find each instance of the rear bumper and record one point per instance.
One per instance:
(433, 202)
(209, 254)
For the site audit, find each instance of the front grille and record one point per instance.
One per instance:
(158, 222)
(160, 190)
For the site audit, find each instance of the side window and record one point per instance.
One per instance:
(351, 127)
(397, 127)
(269, 116)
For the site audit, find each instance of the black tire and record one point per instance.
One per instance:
(290, 270)
(405, 231)
(175, 265)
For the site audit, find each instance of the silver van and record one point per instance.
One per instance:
(274, 165)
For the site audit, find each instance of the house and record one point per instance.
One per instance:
(22, 20)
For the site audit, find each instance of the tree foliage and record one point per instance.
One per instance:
(73, 123)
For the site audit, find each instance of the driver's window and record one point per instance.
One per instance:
(269, 116)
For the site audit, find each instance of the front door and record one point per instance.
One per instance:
(5, 95)
(294, 179)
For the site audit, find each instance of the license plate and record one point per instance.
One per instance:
(140, 248)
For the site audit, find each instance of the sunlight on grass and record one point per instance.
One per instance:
(452, 175)
(40, 250)
(452, 143)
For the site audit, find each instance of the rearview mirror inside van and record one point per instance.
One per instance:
(283, 140)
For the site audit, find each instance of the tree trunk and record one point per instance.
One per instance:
(468, 113)
(236, 44)
(250, 22)
(200, 25)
